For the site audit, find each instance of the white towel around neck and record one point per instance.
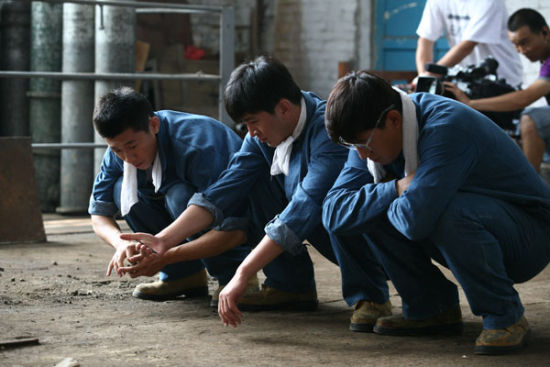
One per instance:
(128, 193)
(281, 157)
(410, 140)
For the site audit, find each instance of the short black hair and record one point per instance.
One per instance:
(527, 17)
(258, 86)
(355, 102)
(120, 109)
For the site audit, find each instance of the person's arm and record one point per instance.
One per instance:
(210, 244)
(108, 230)
(193, 220)
(457, 53)
(209, 208)
(424, 54)
(354, 200)
(447, 156)
(303, 213)
(262, 255)
(506, 102)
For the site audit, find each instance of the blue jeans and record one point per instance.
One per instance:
(294, 273)
(154, 212)
(487, 243)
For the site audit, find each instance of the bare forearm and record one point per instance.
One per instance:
(210, 244)
(107, 229)
(506, 102)
(193, 220)
(262, 255)
(424, 54)
(457, 53)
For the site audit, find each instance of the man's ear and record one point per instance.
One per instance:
(154, 124)
(394, 118)
(283, 106)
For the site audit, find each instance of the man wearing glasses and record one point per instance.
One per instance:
(429, 178)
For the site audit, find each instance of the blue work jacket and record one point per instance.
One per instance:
(315, 162)
(193, 150)
(459, 150)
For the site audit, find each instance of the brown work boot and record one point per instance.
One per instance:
(502, 341)
(448, 322)
(251, 288)
(269, 299)
(366, 313)
(195, 285)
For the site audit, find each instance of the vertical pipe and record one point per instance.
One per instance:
(15, 34)
(227, 58)
(77, 100)
(114, 53)
(45, 99)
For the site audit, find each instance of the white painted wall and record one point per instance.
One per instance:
(312, 36)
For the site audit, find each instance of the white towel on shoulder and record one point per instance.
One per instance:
(410, 140)
(129, 192)
(281, 157)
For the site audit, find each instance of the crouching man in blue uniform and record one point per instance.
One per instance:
(155, 162)
(284, 169)
(429, 178)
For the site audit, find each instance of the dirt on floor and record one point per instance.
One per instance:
(58, 292)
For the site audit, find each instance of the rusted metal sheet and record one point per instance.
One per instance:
(20, 216)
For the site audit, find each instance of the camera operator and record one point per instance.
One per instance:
(529, 32)
(475, 30)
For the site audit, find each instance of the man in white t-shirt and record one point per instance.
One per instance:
(475, 30)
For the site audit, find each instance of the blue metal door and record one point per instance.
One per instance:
(395, 34)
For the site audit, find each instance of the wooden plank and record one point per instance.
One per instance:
(18, 342)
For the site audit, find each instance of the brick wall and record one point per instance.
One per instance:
(312, 36)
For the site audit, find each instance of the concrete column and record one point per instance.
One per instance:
(45, 99)
(114, 53)
(77, 102)
(15, 41)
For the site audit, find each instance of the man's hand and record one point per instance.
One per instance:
(125, 250)
(228, 299)
(457, 92)
(403, 184)
(148, 263)
(147, 239)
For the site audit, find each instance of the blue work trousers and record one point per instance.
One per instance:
(487, 243)
(294, 273)
(154, 212)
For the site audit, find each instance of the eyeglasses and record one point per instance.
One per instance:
(366, 144)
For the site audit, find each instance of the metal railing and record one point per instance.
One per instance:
(226, 61)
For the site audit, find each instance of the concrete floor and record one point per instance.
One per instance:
(57, 292)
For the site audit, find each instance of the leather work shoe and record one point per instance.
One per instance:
(502, 341)
(251, 288)
(448, 322)
(366, 313)
(271, 299)
(195, 285)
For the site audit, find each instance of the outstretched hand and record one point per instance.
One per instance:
(228, 299)
(146, 263)
(147, 239)
(125, 251)
(457, 92)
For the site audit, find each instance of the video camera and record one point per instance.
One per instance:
(477, 81)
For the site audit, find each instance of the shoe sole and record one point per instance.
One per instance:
(489, 350)
(361, 328)
(445, 329)
(188, 293)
